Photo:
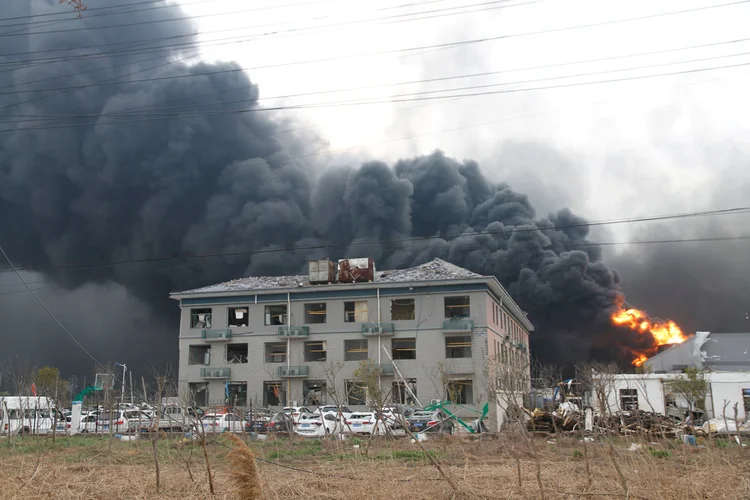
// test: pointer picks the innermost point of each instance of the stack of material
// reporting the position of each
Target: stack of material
(636, 422)
(544, 421)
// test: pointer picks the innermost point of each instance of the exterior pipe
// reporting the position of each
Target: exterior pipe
(377, 290)
(288, 345)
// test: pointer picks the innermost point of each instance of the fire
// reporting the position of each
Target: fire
(662, 332)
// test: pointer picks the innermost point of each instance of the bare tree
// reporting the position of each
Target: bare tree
(78, 6)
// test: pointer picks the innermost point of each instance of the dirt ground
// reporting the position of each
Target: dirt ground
(493, 467)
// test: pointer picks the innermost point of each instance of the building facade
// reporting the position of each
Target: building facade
(275, 341)
(728, 352)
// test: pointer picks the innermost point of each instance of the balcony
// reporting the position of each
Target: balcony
(294, 371)
(215, 372)
(521, 346)
(294, 331)
(458, 324)
(375, 329)
(386, 370)
(217, 335)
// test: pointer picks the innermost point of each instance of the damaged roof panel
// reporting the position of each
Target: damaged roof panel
(435, 270)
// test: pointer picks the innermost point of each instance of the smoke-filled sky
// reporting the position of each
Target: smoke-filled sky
(79, 191)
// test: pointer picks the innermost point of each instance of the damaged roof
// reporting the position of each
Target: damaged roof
(435, 270)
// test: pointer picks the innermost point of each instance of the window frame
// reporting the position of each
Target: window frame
(364, 348)
(628, 399)
(315, 343)
(354, 311)
(231, 316)
(194, 313)
(459, 348)
(466, 305)
(274, 355)
(311, 314)
(414, 309)
(403, 340)
(268, 315)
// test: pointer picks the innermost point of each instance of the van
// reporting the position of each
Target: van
(28, 415)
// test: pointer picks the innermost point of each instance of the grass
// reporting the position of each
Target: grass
(318, 470)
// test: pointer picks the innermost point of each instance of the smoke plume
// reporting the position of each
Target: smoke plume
(81, 191)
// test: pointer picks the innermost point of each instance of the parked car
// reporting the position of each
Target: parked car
(364, 423)
(313, 425)
(430, 421)
(256, 424)
(138, 420)
(222, 422)
(280, 422)
(295, 411)
(343, 409)
(394, 416)
(104, 422)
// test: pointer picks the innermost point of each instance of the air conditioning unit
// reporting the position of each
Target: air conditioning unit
(373, 329)
(292, 371)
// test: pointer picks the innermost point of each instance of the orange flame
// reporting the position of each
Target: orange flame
(663, 332)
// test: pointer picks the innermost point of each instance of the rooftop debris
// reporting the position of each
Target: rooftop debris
(436, 269)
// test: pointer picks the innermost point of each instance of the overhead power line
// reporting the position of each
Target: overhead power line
(410, 239)
(398, 99)
(255, 36)
(38, 117)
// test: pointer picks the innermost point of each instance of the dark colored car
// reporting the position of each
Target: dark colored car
(257, 425)
(430, 421)
(280, 422)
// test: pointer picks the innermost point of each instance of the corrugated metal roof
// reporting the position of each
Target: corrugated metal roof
(435, 270)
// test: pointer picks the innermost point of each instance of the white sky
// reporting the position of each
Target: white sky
(651, 146)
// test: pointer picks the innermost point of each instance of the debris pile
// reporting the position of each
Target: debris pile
(624, 422)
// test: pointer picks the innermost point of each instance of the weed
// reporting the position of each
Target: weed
(577, 454)
(658, 453)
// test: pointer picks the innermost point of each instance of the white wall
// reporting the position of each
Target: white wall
(724, 386)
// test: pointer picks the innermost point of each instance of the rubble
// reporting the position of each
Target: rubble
(624, 422)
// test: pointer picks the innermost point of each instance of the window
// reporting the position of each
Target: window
(275, 352)
(276, 315)
(198, 393)
(315, 351)
(746, 401)
(315, 313)
(629, 399)
(460, 392)
(458, 346)
(236, 353)
(457, 307)
(355, 350)
(356, 394)
(356, 312)
(199, 355)
(273, 393)
(404, 348)
(402, 309)
(238, 316)
(405, 393)
(238, 393)
(200, 318)
(314, 392)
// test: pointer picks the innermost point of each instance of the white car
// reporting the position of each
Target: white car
(313, 425)
(343, 411)
(364, 423)
(104, 422)
(295, 412)
(222, 422)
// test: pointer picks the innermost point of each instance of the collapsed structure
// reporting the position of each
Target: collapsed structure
(431, 329)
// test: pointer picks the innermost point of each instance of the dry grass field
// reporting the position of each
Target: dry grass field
(94, 468)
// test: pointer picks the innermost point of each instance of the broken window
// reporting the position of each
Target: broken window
(236, 353)
(355, 350)
(356, 312)
(746, 400)
(457, 307)
(629, 399)
(238, 393)
(402, 309)
(273, 393)
(404, 348)
(276, 315)
(238, 317)
(460, 392)
(199, 355)
(315, 313)
(458, 346)
(200, 318)
(315, 350)
(198, 393)
(405, 393)
(356, 394)
(314, 392)
(275, 352)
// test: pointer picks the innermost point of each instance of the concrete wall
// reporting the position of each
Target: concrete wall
(426, 328)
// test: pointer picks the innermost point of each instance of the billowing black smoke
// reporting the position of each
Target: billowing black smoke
(81, 191)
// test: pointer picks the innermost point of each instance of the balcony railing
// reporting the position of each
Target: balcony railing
(458, 325)
(215, 372)
(294, 371)
(294, 331)
(375, 329)
(217, 335)
(386, 370)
